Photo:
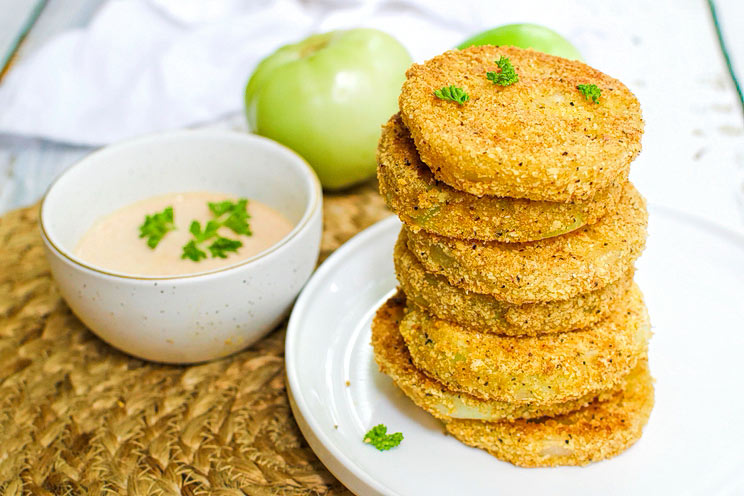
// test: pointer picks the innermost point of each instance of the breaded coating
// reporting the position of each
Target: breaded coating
(597, 432)
(391, 354)
(551, 269)
(487, 314)
(538, 138)
(422, 202)
(549, 368)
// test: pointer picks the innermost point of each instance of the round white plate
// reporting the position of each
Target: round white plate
(692, 274)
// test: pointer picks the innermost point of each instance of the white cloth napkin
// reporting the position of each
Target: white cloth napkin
(150, 65)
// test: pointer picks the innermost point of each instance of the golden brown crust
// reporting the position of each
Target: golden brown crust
(551, 269)
(597, 432)
(487, 314)
(422, 202)
(391, 354)
(549, 368)
(538, 138)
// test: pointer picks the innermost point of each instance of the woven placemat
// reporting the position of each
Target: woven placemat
(78, 417)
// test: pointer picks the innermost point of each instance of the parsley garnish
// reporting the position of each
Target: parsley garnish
(222, 245)
(237, 215)
(507, 75)
(233, 215)
(210, 229)
(453, 93)
(156, 226)
(590, 92)
(380, 439)
(223, 207)
(192, 251)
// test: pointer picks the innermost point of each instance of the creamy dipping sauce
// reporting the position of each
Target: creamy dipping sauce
(113, 242)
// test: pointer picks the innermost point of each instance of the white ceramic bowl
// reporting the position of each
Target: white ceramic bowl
(193, 318)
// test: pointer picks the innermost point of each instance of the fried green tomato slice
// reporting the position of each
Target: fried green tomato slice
(485, 313)
(551, 269)
(539, 138)
(391, 355)
(411, 191)
(599, 431)
(549, 368)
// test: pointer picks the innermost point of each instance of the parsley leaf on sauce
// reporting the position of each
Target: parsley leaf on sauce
(156, 226)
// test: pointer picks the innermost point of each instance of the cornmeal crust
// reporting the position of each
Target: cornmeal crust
(487, 314)
(393, 358)
(596, 432)
(539, 138)
(550, 368)
(551, 269)
(422, 202)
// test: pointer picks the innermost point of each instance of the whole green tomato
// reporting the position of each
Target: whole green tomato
(533, 36)
(326, 98)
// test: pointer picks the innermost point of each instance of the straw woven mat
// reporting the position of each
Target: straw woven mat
(79, 417)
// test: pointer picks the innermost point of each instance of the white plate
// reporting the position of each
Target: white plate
(692, 274)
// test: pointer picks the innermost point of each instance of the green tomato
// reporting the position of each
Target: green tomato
(533, 36)
(326, 98)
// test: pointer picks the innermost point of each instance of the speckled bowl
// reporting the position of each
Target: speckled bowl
(198, 317)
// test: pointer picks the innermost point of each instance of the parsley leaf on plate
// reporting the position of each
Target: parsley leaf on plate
(380, 439)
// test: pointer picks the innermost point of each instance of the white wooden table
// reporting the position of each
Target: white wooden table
(693, 158)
